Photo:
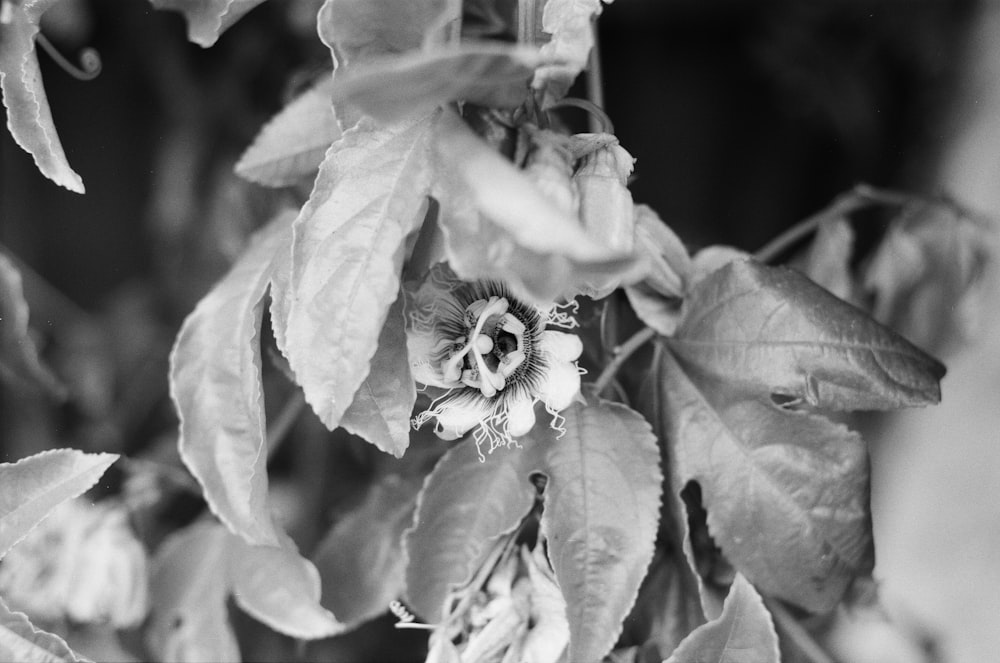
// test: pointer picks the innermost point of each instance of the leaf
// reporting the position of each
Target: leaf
(463, 506)
(667, 266)
(569, 24)
(391, 88)
(215, 384)
(21, 641)
(770, 330)
(381, 409)
(291, 146)
(347, 253)
(743, 633)
(601, 510)
(786, 492)
(29, 118)
(828, 260)
(359, 29)
(361, 558)
(35, 485)
(208, 19)
(18, 354)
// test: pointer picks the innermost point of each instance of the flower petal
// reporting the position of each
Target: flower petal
(560, 345)
(560, 385)
(459, 414)
(520, 416)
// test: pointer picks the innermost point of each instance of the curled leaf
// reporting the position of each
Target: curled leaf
(208, 19)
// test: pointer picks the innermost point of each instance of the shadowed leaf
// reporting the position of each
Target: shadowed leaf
(208, 19)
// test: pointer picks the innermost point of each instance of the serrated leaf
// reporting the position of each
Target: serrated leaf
(291, 146)
(743, 633)
(786, 492)
(347, 254)
(208, 19)
(357, 29)
(770, 330)
(463, 506)
(33, 486)
(391, 88)
(215, 385)
(29, 118)
(602, 504)
(21, 641)
(361, 559)
(381, 409)
(569, 24)
(18, 354)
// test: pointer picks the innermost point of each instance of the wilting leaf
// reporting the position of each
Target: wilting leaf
(28, 116)
(786, 492)
(602, 502)
(380, 412)
(568, 23)
(361, 559)
(464, 505)
(744, 632)
(359, 29)
(20, 641)
(770, 330)
(215, 384)
(292, 145)
(391, 88)
(347, 254)
(208, 19)
(33, 486)
(18, 355)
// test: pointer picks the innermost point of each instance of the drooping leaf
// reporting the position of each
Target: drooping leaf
(33, 486)
(381, 409)
(208, 19)
(291, 146)
(666, 268)
(359, 29)
(569, 24)
(463, 506)
(743, 633)
(361, 559)
(215, 384)
(602, 502)
(347, 254)
(770, 330)
(29, 118)
(786, 492)
(18, 354)
(21, 641)
(391, 88)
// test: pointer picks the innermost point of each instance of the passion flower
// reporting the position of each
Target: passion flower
(493, 354)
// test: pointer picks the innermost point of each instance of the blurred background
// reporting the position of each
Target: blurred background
(744, 117)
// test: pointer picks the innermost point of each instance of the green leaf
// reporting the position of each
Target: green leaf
(361, 559)
(391, 88)
(569, 24)
(359, 29)
(602, 504)
(465, 504)
(208, 19)
(381, 409)
(743, 633)
(347, 253)
(667, 266)
(291, 146)
(786, 492)
(828, 260)
(18, 355)
(28, 115)
(33, 486)
(215, 384)
(767, 330)
(21, 641)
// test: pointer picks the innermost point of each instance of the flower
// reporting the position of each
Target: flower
(494, 354)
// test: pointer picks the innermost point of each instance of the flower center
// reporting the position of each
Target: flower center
(492, 349)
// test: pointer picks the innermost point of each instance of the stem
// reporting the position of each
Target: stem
(595, 79)
(797, 633)
(623, 352)
(282, 424)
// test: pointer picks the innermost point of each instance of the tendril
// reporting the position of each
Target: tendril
(595, 111)
(90, 60)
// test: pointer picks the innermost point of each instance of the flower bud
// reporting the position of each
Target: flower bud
(606, 208)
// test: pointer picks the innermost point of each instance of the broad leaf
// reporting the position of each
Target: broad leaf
(20, 641)
(569, 24)
(667, 608)
(770, 330)
(743, 633)
(380, 412)
(18, 355)
(347, 254)
(786, 492)
(361, 559)
(28, 116)
(359, 29)
(290, 148)
(33, 486)
(391, 88)
(602, 504)
(208, 19)
(215, 384)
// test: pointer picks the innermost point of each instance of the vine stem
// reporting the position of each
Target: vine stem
(622, 353)
(595, 79)
(797, 633)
